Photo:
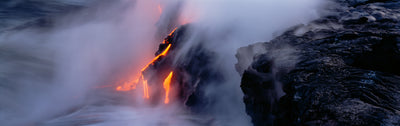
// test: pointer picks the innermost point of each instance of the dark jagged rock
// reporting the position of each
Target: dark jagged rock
(343, 69)
(192, 71)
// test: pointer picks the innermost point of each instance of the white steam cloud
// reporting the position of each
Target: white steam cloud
(48, 74)
(228, 25)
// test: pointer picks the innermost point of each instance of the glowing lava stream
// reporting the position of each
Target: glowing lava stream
(167, 86)
(173, 31)
(145, 88)
(130, 85)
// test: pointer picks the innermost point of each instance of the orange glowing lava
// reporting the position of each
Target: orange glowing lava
(132, 83)
(167, 86)
(173, 31)
(145, 88)
(170, 34)
(157, 57)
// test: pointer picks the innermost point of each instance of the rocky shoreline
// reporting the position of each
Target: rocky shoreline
(341, 69)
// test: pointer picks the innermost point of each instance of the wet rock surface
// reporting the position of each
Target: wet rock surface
(342, 70)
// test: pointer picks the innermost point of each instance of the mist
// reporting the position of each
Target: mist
(227, 26)
(50, 73)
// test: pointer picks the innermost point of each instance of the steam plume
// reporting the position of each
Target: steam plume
(50, 73)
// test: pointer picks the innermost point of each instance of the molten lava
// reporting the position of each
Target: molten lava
(167, 86)
(157, 57)
(127, 86)
(170, 34)
(145, 88)
(131, 84)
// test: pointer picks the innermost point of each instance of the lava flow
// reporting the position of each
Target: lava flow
(130, 85)
(167, 86)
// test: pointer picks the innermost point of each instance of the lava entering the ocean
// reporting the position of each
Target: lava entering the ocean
(132, 83)
(167, 86)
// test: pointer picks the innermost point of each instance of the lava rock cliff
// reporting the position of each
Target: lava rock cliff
(341, 69)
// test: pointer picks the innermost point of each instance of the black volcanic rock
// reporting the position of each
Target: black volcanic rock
(343, 69)
(193, 71)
